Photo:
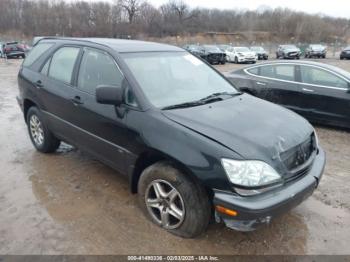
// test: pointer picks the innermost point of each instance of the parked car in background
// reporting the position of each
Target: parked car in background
(193, 49)
(288, 52)
(345, 53)
(317, 91)
(261, 52)
(228, 51)
(240, 54)
(191, 145)
(315, 50)
(212, 54)
(15, 49)
(1, 49)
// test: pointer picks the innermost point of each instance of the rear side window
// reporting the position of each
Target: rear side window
(62, 63)
(254, 71)
(36, 52)
(98, 68)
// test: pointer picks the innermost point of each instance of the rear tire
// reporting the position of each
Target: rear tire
(192, 206)
(42, 138)
(236, 60)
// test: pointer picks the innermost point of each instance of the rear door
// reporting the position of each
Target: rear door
(327, 94)
(56, 90)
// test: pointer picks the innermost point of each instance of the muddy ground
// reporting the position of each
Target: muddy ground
(69, 203)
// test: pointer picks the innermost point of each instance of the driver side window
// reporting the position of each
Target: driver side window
(98, 68)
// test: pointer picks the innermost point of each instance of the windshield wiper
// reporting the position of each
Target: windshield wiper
(184, 105)
(218, 96)
(208, 99)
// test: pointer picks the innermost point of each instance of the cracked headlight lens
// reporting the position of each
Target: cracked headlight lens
(250, 173)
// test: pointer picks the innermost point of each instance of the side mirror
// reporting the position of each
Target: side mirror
(109, 95)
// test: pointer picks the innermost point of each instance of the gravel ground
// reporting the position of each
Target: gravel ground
(69, 203)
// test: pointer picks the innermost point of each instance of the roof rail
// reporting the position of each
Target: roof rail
(40, 38)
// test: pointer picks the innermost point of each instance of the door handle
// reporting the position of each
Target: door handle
(39, 84)
(77, 101)
(308, 90)
(261, 83)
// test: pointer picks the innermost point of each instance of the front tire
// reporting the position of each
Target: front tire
(42, 138)
(173, 201)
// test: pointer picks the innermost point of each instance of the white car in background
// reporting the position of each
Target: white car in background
(238, 54)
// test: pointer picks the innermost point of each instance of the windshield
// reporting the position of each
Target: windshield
(242, 49)
(257, 48)
(289, 47)
(171, 78)
(317, 46)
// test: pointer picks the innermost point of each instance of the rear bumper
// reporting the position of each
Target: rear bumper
(254, 211)
(263, 56)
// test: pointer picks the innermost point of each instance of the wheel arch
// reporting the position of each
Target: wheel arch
(27, 103)
(150, 157)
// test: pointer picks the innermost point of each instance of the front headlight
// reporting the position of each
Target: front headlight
(250, 173)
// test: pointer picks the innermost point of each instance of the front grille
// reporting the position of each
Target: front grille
(298, 155)
(298, 174)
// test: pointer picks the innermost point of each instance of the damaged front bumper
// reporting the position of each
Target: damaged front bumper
(253, 211)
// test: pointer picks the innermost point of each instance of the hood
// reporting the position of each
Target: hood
(251, 127)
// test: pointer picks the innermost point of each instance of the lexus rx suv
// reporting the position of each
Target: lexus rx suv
(192, 146)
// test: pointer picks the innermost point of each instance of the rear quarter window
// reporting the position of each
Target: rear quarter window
(36, 52)
(253, 71)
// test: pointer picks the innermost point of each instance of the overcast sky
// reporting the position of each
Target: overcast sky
(337, 8)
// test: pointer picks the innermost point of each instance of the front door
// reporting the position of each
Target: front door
(103, 132)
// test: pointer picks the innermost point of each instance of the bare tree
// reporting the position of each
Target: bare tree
(132, 7)
(139, 19)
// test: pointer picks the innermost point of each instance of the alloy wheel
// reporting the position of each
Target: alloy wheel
(165, 204)
(36, 130)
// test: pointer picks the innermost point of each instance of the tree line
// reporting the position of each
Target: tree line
(140, 19)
